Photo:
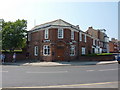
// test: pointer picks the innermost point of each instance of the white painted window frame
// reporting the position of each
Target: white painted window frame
(36, 50)
(80, 37)
(72, 47)
(46, 34)
(72, 35)
(83, 50)
(85, 39)
(60, 33)
(48, 51)
(93, 41)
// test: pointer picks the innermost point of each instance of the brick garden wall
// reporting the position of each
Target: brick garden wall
(97, 58)
(22, 56)
(19, 56)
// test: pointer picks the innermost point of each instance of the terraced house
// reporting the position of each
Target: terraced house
(60, 41)
(102, 36)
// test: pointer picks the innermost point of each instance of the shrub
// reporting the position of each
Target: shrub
(13, 51)
(90, 54)
(97, 54)
(105, 54)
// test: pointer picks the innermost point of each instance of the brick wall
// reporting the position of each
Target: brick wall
(54, 42)
(97, 58)
(19, 57)
(113, 47)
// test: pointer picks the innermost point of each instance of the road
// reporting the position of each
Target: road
(61, 76)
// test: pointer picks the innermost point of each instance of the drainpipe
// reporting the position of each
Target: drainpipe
(78, 45)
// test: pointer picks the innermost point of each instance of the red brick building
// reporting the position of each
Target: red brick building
(102, 36)
(60, 41)
(114, 46)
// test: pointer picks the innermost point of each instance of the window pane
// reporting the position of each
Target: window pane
(48, 51)
(85, 37)
(60, 33)
(72, 51)
(36, 50)
(72, 34)
(46, 34)
(80, 36)
(45, 51)
(83, 50)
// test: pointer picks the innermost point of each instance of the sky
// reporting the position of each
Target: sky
(99, 15)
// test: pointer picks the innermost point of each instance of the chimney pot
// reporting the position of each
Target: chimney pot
(91, 27)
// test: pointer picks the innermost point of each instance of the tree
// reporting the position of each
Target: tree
(14, 34)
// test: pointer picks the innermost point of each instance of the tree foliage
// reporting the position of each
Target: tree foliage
(14, 34)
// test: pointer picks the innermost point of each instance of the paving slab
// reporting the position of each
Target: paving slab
(76, 63)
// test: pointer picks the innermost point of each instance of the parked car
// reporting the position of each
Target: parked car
(118, 58)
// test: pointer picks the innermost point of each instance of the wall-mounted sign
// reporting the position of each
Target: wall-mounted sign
(74, 41)
(46, 40)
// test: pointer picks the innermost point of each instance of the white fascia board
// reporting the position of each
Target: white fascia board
(72, 29)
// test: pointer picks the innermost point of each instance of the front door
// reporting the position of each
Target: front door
(60, 53)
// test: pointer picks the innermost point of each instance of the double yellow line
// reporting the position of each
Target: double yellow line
(73, 85)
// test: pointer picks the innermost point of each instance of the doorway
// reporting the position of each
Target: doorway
(60, 53)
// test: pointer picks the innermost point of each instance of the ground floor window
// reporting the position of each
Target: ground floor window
(72, 50)
(46, 50)
(93, 50)
(83, 50)
(36, 50)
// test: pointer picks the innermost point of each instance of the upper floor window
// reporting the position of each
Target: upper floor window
(46, 50)
(85, 38)
(72, 50)
(36, 50)
(60, 33)
(97, 43)
(46, 34)
(80, 36)
(93, 41)
(72, 35)
(106, 39)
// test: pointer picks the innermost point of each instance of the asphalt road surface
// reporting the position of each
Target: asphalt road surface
(60, 76)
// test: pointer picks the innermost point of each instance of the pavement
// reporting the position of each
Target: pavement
(63, 63)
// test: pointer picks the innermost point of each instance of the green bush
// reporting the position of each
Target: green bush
(105, 54)
(97, 54)
(13, 51)
(90, 54)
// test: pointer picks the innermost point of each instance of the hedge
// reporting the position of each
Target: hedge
(98, 54)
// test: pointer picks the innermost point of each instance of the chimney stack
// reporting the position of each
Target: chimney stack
(90, 27)
(77, 26)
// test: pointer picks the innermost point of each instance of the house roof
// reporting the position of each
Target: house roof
(58, 22)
